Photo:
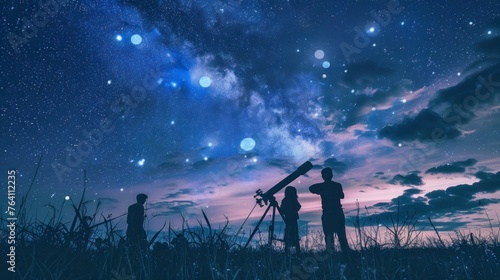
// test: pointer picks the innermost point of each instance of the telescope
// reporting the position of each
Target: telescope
(266, 198)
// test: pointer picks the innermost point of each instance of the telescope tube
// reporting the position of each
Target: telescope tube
(301, 170)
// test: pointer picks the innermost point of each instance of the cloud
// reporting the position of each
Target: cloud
(466, 163)
(454, 167)
(465, 99)
(108, 200)
(337, 166)
(464, 193)
(412, 179)
(458, 104)
(177, 206)
(405, 206)
(423, 127)
(452, 202)
(177, 194)
(380, 175)
(446, 169)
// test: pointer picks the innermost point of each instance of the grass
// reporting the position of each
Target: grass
(90, 247)
(86, 249)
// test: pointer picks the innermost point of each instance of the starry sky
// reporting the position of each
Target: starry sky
(200, 103)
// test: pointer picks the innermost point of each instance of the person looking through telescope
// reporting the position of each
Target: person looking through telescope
(333, 218)
(290, 207)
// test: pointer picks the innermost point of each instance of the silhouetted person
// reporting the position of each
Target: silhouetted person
(333, 218)
(136, 234)
(290, 207)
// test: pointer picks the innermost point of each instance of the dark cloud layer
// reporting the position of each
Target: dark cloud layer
(411, 179)
(459, 104)
(337, 166)
(455, 200)
(425, 126)
(454, 167)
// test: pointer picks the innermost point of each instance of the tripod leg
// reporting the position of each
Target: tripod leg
(271, 228)
(257, 226)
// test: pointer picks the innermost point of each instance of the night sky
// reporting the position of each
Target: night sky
(200, 103)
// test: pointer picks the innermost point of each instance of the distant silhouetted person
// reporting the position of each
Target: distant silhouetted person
(136, 234)
(333, 218)
(290, 207)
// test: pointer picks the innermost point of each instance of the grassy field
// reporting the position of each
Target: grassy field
(90, 247)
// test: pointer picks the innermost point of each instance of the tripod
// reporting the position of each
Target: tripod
(268, 196)
(274, 204)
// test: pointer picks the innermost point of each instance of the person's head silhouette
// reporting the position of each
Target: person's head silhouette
(327, 174)
(141, 198)
(290, 192)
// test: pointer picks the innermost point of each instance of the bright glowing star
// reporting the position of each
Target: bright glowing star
(187, 160)
(205, 81)
(141, 162)
(174, 84)
(373, 108)
(371, 29)
(172, 122)
(254, 159)
(399, 145)
(458, 74)
(489, 32)
(119, 37)
(298, 50)
(121, 189)
(210, 144)
(374, 45)
(319, 54)
(326, 64)
(402, 23)
(471, 23)
(66, 197)
(352, 91)
(136, 39)
(345, 71)
(247, 144)
(109, 82)
(205, 158)
(403, 100)
(323, 76)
